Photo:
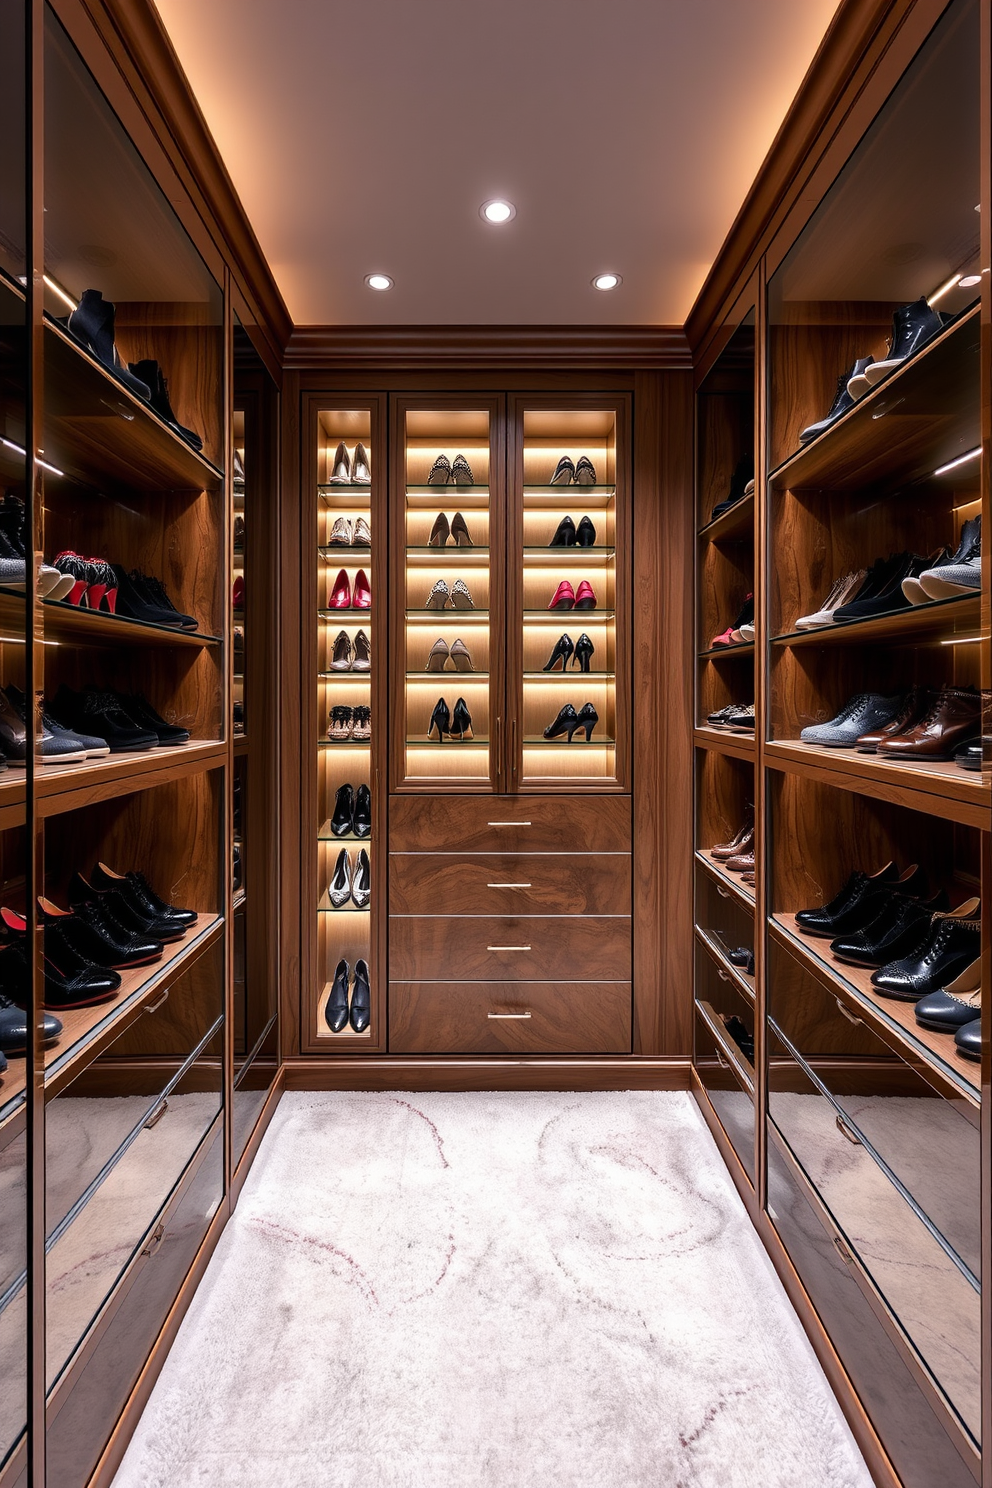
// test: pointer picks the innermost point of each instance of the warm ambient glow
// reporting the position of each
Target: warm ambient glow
(378, 281)
(970, 280)
(606, 281)
(498, 211)
(944, 289)
(58, 290)
(961, 460)
(9, 444)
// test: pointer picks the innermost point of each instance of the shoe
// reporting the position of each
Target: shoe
(912, 327)
(361, 884)
(742, 838)
(439, 652)
(13, 730)
(951, 1007)
(344, 812)
(587, 718)
(968, 1040)
(340, 595)
(853, 907)
(742, 629)
(72, 980)
(459, 532)
(844, 589)
(461, 721)
(858, 384)
(144, 895)
(742, 862)
(140, 711)
(969, 549)
(238, 716)
(342, 533)
(585, 596)
(564, 472)
(124, 946)
(954, 718)
(142, 597)
(584, 651)
(440, 532)
(461, 599)
(843, 402)
(72, 943)
(461, 657)
(566, 722)
(947, 949)
(585, 533)
(92, 324)
(343, 652)
(341, 468)
(564, 535)
(719, 718)
(56, 745)
(741, 719)
(336, 1007)
(239, 533)
(120, 904)
(741, 484)
(563, 597)
(895, 930)
(738, 1031)
(361, 596)
(363, 534)
(440, 721)
(861, 714)
(239, 475)
(439, 597)
(440, 473)
(563, 649)
(362, 819)
(339, 723)
(585, 473)
(969, 756)
(13, 1018)
(363, 653)
(361, 998)
(361, 469)
(238, 638)
(889, 597)
(362, 729)
(746, 617)
(461, 472)
(100, 714)
(150, 372)
(339, 888)
(916, 704)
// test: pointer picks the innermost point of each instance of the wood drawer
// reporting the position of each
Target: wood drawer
(583, 948)
(464, 824)
(508, 883)
(470, 1018)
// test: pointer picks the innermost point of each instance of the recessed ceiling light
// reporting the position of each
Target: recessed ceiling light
(970, 280)
(378, 281)
(497, 211)
(607, 281)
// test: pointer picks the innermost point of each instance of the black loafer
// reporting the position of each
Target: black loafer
(968, 1039)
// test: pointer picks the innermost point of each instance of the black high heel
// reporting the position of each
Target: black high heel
(564, 534)
(440, 720)
(563, 650)
(361, 998)
(583, 652)
(461, 721)
(566, 723)
(336, 1007)
(587, 719)
(585, 533)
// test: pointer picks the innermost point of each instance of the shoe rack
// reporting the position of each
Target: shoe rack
(857, 1129)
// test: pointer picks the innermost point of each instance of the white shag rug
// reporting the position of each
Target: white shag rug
(491, 1291)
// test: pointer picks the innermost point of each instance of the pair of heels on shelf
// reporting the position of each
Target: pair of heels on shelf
(349, 723)
(737, 855)
(569, 722)
(565, 652)
(567, 535)
(345, 534)
(346, 596)
(338, 1012)
(567, 598)
(351, 883)
(456, 724)
(352, 812)
(458, 655)
(351, 655)
(346, 471)
(456, 472)
(458, 597)
(569, 472)
(457, 531)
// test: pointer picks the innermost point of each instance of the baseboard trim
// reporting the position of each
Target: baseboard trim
(629, 1072)
(258, 1132)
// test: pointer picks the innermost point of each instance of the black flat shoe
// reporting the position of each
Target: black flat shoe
(148, 900)
(344, 812)
(124, 909)
(100, 714)
(968, 1040)
(951, 1007)
(584, 649)
(587, 718)
(362, 823)
(14, 1019)
(336, 1009)
(562, 651)
(138, 708)
(948, 950)
(564, 534)
(830, 919)
(461, 721)
(899, 926)
(440, 721)
(361, 998)
(585, 533)
(566, 723)
(151, 373)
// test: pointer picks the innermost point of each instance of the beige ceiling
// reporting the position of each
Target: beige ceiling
(364, 137)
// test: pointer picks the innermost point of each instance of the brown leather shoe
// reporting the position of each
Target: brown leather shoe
(916, 706)
(954, 717)
(743, 862)
(741, 840)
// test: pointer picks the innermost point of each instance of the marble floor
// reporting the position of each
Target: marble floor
(513, 1290)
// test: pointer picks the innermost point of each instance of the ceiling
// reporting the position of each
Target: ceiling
(364, 138)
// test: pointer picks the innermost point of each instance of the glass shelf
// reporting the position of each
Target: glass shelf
(556, 616)
(326, 907)
(336, 614)
(450, 613)
(570, 491)
(597, 550)
(344, 490)
(331, 550)
(449, 549)
(326, 835)
(448, 491)
(447, 676)
(543, 676)
(348, 676)
(422, 743)
(344, 743)
(537, 741)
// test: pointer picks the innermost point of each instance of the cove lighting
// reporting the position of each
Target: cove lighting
(961, 460)
(944, 289)
(378, 281)
(9, 444)
(607, 281)
(58, 290)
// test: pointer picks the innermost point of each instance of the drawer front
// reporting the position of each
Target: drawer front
(508, 883)
(465, 824)
(509, 1018)
(519, 948)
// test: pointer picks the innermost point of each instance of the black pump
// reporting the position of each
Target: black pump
(584, 649)
(361, 998)
(562, 652)
(461, 721)
(440, 720)
(564, 534)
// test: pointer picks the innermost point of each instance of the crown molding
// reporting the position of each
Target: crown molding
(621, 348)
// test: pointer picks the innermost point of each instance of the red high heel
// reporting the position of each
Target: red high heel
(585, 598)
(102, 593)
(363, 591)
(564, 597)
(340, 597)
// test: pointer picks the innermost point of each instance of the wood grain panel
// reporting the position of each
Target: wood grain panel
(466, 824)
(509, 948)
(509, 1018)
(505, 883)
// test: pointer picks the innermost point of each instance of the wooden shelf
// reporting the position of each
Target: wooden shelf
(718, 950)
(60, 788)
(102, 434)
(351, 551)
(724, 653)
(326, 835)
(732, 881)
(740, 746)
(941, 788)
(325, 906)
(575, 678)
(556, 617)
(892, 1020)
(86, 1032)
(942, 617)
(345, 614)
(72, 626)
(347, 1034)
(921, 416)
(734, 525)
(732, 1052)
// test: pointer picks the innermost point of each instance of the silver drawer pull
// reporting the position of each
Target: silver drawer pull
(507, 948)
(508, 886)
(509, 824)
(508, 1015)
(848, 1015)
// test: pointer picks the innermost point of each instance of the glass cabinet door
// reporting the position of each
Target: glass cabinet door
(447, 579)
(570, 607)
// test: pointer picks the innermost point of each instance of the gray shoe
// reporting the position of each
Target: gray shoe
(959, 572)
(865, 711)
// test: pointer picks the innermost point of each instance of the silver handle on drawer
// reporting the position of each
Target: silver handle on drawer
(846, 1131)
(724, 893)
(509, 824)
(508, 886)
(507, 948)
(508, 1015)
(848, 1015)
(153, 1007)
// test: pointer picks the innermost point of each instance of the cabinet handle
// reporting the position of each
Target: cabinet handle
(157, 1115)
(508, 1015)
(846, 1131)
(848, 1015)
(507, 948)
(724, 893)
(154, 1240)
(154, 1006)
(509, 824)
(509, 886)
